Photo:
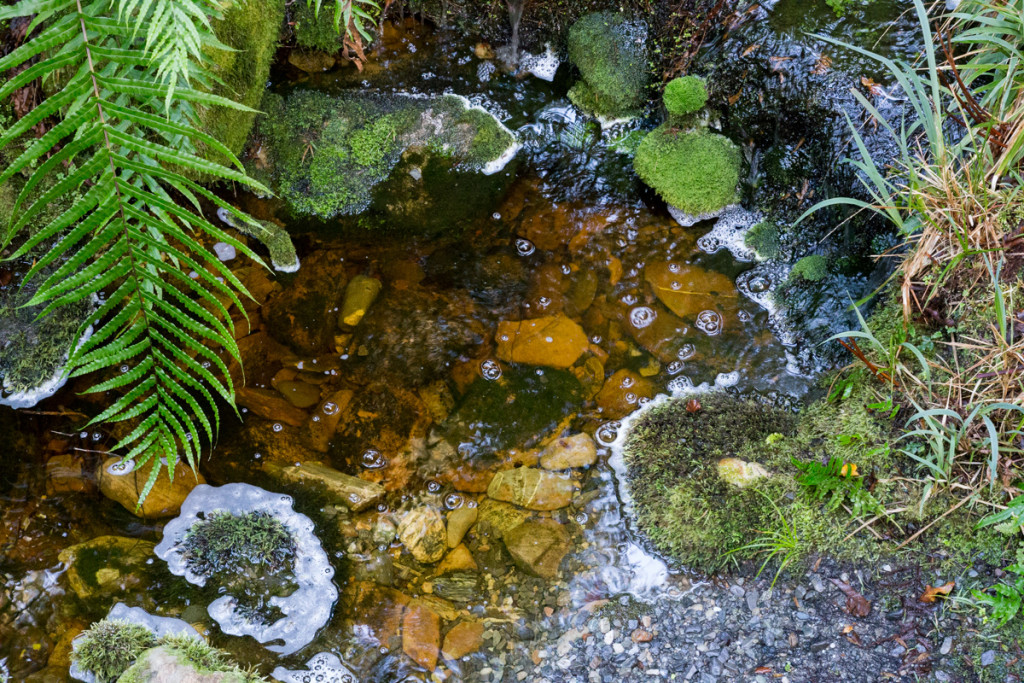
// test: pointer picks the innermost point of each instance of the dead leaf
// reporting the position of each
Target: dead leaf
(856, 604)
(873, 88)
(733, 99)
(750, 49)
(932, 593)
(763, 670)
(822, 65)
(692, 406)
(847, 628)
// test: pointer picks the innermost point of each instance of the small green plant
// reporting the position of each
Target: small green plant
(836, 482)
(1010, 519)
(685, 95)
(812, 268)
(1002, 600)
(234, 543)
(782, 543)
(109, 647)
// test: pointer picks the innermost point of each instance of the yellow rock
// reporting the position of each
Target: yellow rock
(360, 294)
(465, 638)
(459, 559)
(622, 393)
(164, 500)
(553, 341)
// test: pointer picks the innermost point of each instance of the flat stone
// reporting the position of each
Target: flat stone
(323, 423)
(947, 645)
(355, 493)
(299, 394)
(458, 559)
(463, 639)
(270, 405)
(988, 657)
(163, 500)
(532, 488)
(538, 547)
(553, 341)
(497, 517)
(423, 533)
(460, 521)
(107, 566)
(578, 450)
(421, 634)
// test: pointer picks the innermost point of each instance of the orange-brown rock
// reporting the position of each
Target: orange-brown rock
(421, 634)
(163, 500)
(687, 290)
(538, 547)
(66, 474)
(532, 488)
(459, 522)
(463, 639)
(270, 405)
(622, 393)
(553, 341)
(459, 559)
(377, 608)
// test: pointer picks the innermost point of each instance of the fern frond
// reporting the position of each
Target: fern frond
(133, 243)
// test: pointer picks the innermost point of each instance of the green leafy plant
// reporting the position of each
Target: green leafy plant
(835, 483)
(1011, 517)
(109, 647)
(782, 543)
(1003, 600)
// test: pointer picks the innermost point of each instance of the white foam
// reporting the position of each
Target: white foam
(492, 167)
(543, 66)
(687, 219)
(729, 232)
(160, 626)
(305, 611)
(322, 668)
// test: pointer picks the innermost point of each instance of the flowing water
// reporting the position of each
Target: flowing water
(428, 408)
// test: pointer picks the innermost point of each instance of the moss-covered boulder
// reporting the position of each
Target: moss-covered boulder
(685, 95)
(315, 30)
(325, 155)
(611, 54)
(695, 172)
(185, 659)
(251, 30)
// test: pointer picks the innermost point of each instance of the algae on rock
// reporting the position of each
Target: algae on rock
(610, 52)
(326, 154)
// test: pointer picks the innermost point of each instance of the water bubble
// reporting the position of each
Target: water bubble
(496, 216)
(644, 400)
(490, 369)
(97, 436)
(630, 397)
(566, 269)
(382, 507)
(686, 352)
(680, 384)
(277, 427)
(433, 486)
(629, 299)
(674, 267)
(124, 369)
(372, 459)
(525, 247)
(709, 322)
(744, 316)
(453, 501)
(330, 408)
(316, 418)
(608, 432)
(759, 285)
(581, 518)
(121, 467)
(627, 382)
(544, 302)
(675, 367)
(257, 456)
(642, 316)
(206, 364)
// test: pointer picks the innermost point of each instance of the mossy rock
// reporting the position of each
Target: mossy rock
(251, 29)
(813, 268)
(685, 95)
(187, 660)
(109, 647)
(765, 239)
(316, 31)
(610, 52)
(326, 154)
(695, 172)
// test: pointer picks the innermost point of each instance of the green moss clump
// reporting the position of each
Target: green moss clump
(326, 154)
(194, 653)
(685, 95)
(695, 172)
(813, 268)
(611, 55)
(225, 543)
(765, 239)
(109, 647)
(251, 29)
(316, 31)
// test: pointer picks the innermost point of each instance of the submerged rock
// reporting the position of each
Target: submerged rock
(121, 482)
(688, 290)
(578, 450)
(292, 619)
(421, 634)
(108, 566)
(532, 488)
(465, 638)
(459, 522)
(360, 293)
(538, 547)
(325, 154)
(611, 53)
(554, 341)
(355, 493)
(423, 533)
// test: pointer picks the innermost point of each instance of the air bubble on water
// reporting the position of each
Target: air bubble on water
(630, 397)
(330, 408)
(355, 498)
(97, 436)
(681, 384)
(382, 507)
(566, 269)
(433, 486)
(525, 247)
(496, 216)
(257, 456)
(490, 369)
(709, 322)
(544, 302)
(206, 364)
(674, 267)
(627, 382)
(581, 518)
(121, 467)
(453, 501)
(642, 316)
(675, 367)
(325, 666)
(316, 418)
(124, 369)
(644, 400)
(629, 299)
(686, 351)
(277, 427)
(608, 432)
(743, 316)
(372, 459)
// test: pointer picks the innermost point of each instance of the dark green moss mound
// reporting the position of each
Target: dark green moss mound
(685, 95)
(314, 30)
(252, 29)
(109, 647)
(672, 456)
(225, 543)
(326, 154)
(813, 268)
(695, 172)
(610, 53)
(765, 239)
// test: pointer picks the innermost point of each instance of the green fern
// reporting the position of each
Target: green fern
(831, 484)
(127, 135)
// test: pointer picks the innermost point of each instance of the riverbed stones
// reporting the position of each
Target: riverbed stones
(538, 547)
(163, 500)
(355, 493)
(551, 341)
(623, 392)
(496, 517)
(421, 634)
(532, 488)
(423, 533)
(463, 639)
(360, 294)
(107, 567)
(459, 522)
(740, 473)
(578, 450)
